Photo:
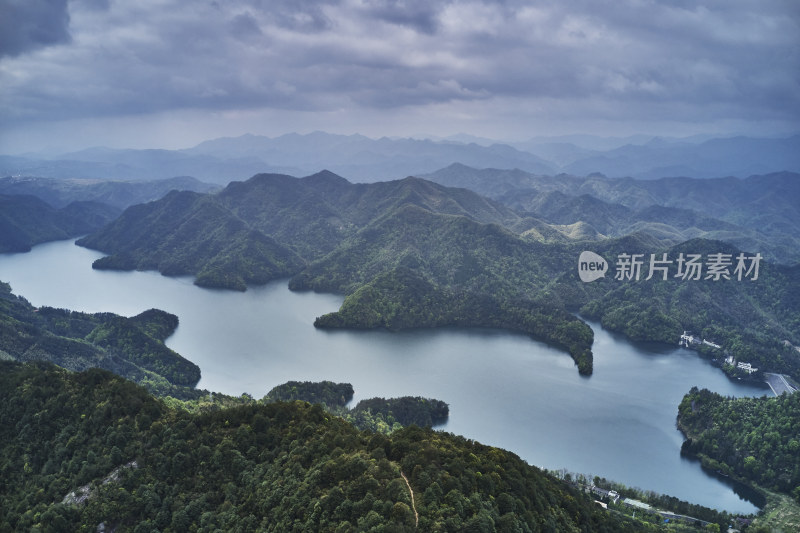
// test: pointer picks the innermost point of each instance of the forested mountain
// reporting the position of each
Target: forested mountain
(400, 299)
(752, 320)
(85, 451)
(131, 347)
(120, 194)
(311, 215)
(753, 439)
(27, 220)
(756, 213)
(314, 214)
(734, 200)
(343, 236)
(189, 233)
(410, 253)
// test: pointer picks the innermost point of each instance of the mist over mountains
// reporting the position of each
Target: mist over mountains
(367, 160)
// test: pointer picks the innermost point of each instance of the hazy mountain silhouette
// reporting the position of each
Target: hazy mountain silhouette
(367, 160)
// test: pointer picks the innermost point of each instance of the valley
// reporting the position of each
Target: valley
(415, 268)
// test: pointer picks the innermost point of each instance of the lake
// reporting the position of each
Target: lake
(503, 389)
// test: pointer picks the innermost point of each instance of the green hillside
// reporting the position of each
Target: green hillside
(26, 221)
(80, 450)
(749, 319)
(131, 347)
(189, 233)
(401, 299)
(758, 213)
(753, 439)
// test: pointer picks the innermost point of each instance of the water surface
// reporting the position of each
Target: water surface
(504, 389)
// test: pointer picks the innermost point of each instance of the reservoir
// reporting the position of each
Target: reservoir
(504, 389)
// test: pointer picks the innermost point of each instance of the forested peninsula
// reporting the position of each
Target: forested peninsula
(131, 347)
(756, 440)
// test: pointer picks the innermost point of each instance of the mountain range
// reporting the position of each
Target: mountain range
(405, 253)
(366, 160)
(333, 235)
(413, 253)
(37, 210)
(755, 213)
(114, 193)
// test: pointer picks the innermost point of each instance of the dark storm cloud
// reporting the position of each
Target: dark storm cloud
(421, 15)
(663, 60)
(31, 24)
(244, 25)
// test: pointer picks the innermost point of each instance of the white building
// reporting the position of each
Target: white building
(747, 367)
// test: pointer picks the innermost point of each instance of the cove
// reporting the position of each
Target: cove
(504, 389)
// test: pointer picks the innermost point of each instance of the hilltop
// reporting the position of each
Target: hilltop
(332, 235)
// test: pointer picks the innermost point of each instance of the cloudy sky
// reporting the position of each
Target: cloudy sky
(171, 73)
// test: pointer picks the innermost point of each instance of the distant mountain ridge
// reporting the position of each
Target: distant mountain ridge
(737, 156)
(364, 159)
(119, 194)
(757, 213)
(367, 160)
(26, 221)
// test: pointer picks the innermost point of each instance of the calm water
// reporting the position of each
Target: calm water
(503, 389)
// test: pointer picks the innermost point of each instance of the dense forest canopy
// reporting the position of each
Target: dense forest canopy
(131, 347)
(375, 414)
(326, 393)
(80, 450)
(754, 439)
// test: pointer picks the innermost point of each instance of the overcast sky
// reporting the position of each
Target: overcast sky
(171, 73)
